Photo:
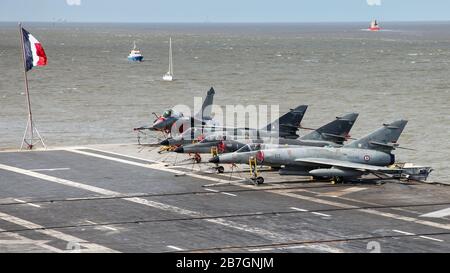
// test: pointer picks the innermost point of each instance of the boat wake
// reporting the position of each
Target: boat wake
(381, 30)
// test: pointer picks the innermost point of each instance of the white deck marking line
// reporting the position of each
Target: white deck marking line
(312, 199)
(110, 228)
(297, 209)
(19, 242)
(103, 226)
(437, 214)
(365, 202)
(407, 219)
(61, 181)
(317, 247)
(343, 192)
(157, 166)
(55, 234)
(403, 232)
(321, 214)
(40, 243)
(227, 193)
(369, 211)
(220, 221)
(157, 163)
(29, 204)
(261, 249)
(27, 241)
(50, 170)
(114, 153)
(431, 238)
(294, 247)
(211, 190)
(175, 248)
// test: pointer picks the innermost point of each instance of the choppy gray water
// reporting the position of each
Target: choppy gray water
(89, 93)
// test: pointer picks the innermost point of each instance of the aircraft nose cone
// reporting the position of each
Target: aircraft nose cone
(215, 159)
(165, 142)
(179, 150)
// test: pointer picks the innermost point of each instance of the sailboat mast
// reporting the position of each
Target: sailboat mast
(170, 57)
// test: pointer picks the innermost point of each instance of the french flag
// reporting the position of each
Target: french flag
(33, 51)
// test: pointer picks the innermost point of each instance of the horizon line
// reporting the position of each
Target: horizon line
(225, 22)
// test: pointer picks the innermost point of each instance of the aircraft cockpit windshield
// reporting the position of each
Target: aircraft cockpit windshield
(167, 113)
(244, 149)
(249, 148)
(214, 137)
(256, 147)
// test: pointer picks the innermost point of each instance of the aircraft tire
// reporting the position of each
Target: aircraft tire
(197, 159)
(259, 180)
(338, 179)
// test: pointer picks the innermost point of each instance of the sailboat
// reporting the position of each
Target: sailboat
(169, 75)
(135, 54)
(374, 26)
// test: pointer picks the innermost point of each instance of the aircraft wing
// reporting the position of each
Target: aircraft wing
(343, 164)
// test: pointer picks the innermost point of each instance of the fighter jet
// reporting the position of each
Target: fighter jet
(231, 138)
(172, 121)
(331, 134)
(370, 154)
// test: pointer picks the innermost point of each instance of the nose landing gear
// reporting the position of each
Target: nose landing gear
(254, 176)
(215, 152)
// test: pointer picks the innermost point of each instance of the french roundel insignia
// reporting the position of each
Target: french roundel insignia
(366, 158)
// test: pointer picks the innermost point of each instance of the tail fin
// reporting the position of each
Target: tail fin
(288, 124)
(207, 106)
(336, 131)
(383, 139)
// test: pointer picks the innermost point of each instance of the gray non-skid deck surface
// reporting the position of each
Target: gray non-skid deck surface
(157, 211)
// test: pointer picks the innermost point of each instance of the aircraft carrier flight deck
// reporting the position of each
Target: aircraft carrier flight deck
(122, 198)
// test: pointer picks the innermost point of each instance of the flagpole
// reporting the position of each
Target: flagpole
(29, 130)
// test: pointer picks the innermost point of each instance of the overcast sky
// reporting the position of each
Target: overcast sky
(223, 10)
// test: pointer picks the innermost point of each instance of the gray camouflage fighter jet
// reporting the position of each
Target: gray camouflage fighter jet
(370, 154)
(332, 134)
(174, 122)
(284, 127)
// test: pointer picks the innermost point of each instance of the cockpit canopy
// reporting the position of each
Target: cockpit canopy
(214, 137)
(167, 113)
(250, 148)
(171, 113)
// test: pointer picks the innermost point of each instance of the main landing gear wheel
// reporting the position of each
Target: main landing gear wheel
(197, 158)
(220, 169)
(258, 180)
(338, 180)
